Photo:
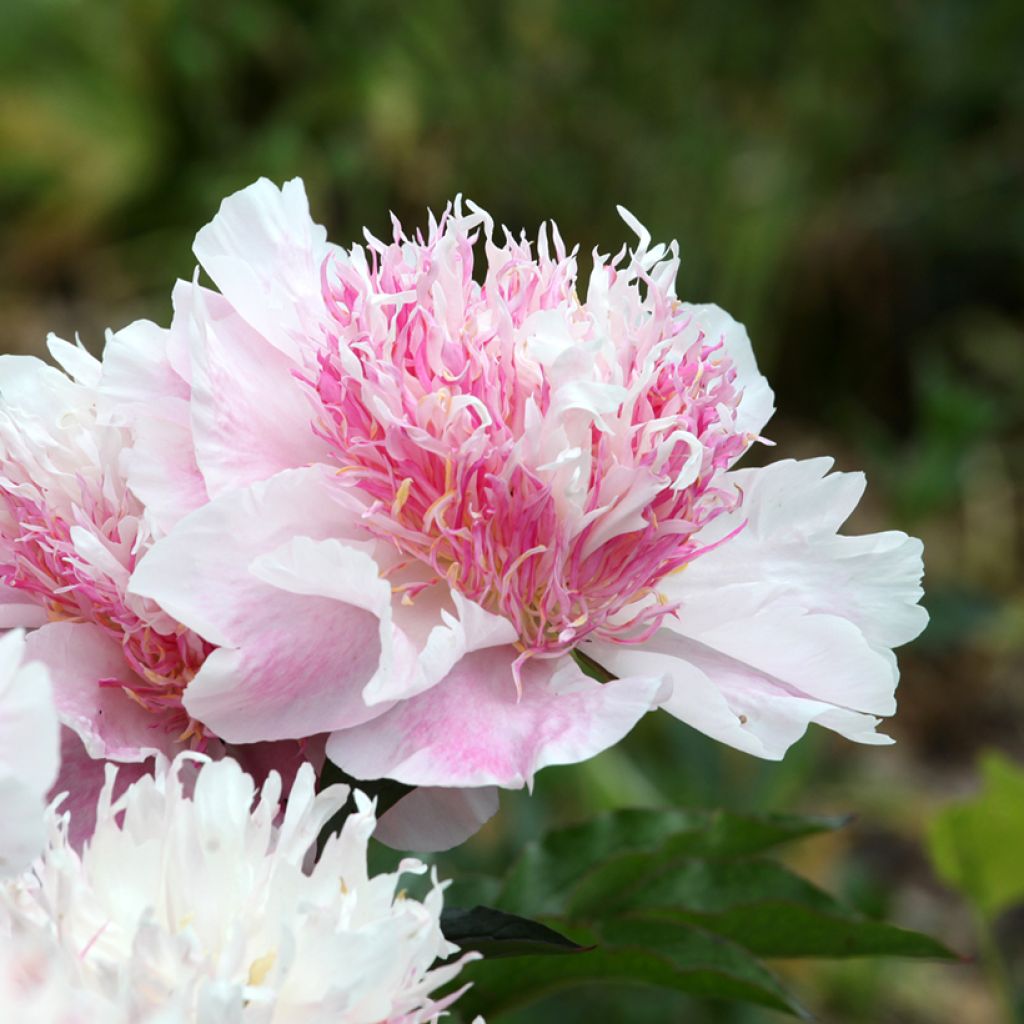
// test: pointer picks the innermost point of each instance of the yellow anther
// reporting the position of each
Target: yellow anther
(260, 968)
(401, 496)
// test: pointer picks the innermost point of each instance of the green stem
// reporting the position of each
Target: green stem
(591, 667)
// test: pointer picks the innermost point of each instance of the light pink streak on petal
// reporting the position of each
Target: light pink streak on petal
(110, 724)
(250, 415)
(471, 730)
(201, 572)
(430, 820)
(291, 662)
(264, 253)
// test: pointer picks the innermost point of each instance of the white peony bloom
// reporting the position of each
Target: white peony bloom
(29, 753)
(196, 900)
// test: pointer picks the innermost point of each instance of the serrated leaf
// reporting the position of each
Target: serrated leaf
(544, 875)
(975, 845)
(495, 933)
(658, 953)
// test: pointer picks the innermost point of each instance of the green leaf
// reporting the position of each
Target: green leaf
(543, 877)
(758, 903)
(497, 934)
(643, 952)
(976, 845)
(778, 929)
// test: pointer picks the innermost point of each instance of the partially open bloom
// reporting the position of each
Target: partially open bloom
(29, 754)
(195, 900)
(71, 532)
(416, 485)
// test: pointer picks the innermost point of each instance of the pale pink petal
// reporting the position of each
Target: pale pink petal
(787, 622)
(250, 416)
(430, 819)
(789, 551)
(142, 388)
(28, 753)
(472, 729)
(79, 656)
(28, 720)
(24, 825)
(264, 253)
(442, 627)
(75, 360)
(17, 610)
(733, 701)
(301, 628)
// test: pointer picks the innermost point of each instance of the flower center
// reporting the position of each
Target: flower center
(551, 460)
(39, 557)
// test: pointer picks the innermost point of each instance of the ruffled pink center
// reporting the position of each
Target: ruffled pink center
(38, 557)
(442, 415)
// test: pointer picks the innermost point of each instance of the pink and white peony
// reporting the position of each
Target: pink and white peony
(29, 754)
(195, 901)
(407, 498)
(71, 532)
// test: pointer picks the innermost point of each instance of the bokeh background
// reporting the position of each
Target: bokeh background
(844, 178)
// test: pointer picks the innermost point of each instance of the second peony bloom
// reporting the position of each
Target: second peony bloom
(411, 493)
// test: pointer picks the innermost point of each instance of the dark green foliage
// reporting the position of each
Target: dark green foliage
(680, 900)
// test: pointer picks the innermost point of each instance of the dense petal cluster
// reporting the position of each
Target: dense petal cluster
(71, 533)
(194, 901)
(407, 494)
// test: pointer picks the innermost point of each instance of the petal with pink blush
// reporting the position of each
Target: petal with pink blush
(301, 626)
(430, 819)
(250, 416)
(443, 627)
(788, 622)
(17, 610)
(78, 656)
(733, 701)
(142, 388)
(264, 253)
(472, 730)
(200, 573)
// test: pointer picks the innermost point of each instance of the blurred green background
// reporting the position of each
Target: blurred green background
(844, 178)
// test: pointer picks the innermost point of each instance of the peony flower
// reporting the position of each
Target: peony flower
(71, 532)
(421, 491)
(40, 983)
(194, 901)
(29, 754)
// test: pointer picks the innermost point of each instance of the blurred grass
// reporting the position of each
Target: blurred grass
(846, 179)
